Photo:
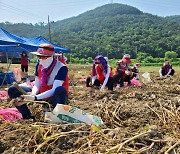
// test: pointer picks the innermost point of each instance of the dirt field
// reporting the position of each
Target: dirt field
(142, 119)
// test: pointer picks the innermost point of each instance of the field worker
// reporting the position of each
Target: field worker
(101, 74)
(123, 72)
(50, 82)
(135, 70)
(24, 64)
(62, 58)
(166, 69)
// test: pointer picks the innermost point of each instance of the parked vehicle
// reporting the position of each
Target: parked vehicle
(14, 57)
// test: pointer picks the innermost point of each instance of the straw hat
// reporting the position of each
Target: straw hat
(44, 50)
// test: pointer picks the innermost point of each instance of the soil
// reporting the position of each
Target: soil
(142, 119)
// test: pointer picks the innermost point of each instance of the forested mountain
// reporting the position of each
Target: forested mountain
(112, 29)
(175, 18)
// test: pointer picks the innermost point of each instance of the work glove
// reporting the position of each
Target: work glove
(102, 88)
(90, 84)
(28, 97)
(128, 72)
(17, 101)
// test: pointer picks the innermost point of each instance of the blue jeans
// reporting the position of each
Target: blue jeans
(59, 97)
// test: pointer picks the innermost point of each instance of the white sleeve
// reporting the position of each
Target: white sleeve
(50, 92)
(106, 77)
(35, 89)
(169, 71)
(93, 79)
(160, 72)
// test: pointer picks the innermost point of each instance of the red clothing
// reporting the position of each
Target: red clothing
(111, 72)
(100, 73)
(24, 61)
(166, 68)
(123, 67)
(48, 87)
(61, 59)
(66, 84)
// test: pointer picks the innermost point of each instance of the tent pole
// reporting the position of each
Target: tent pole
(7, 57)
(8, 66)
(70, 61)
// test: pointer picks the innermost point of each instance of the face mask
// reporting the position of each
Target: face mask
(46, 62)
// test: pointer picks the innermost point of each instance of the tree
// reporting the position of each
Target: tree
(149, 59)
(141, 56)
(170, 55)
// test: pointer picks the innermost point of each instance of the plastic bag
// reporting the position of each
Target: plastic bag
(135, 82)
(17, 74)
(70, 114)
(146, 77)
(10, 114)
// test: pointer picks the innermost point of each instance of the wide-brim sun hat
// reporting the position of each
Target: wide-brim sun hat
(44, 50)
(126, 59)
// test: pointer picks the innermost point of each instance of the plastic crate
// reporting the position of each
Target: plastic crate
(6, 78)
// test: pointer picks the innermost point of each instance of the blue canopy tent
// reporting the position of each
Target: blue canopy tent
(10, 43)
(8, 40)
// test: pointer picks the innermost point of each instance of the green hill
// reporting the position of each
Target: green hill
(112, 29)
(175, 18)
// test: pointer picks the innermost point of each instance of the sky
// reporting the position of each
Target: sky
(35, 11)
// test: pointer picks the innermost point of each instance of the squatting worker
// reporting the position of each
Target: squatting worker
(123, 72)
(101, 74)
(51, 81)
(166, 69)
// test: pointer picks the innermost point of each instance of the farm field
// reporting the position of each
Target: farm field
(142, 119)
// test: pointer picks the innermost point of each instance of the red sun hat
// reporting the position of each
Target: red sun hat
(126, 59)
(45, 50)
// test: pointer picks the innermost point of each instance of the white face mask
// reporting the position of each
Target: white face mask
(46, 62)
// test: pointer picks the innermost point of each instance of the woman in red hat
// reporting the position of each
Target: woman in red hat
(123, 73)
(51, 82)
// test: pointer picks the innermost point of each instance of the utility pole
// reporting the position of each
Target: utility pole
(49, 29)
(136, 49)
